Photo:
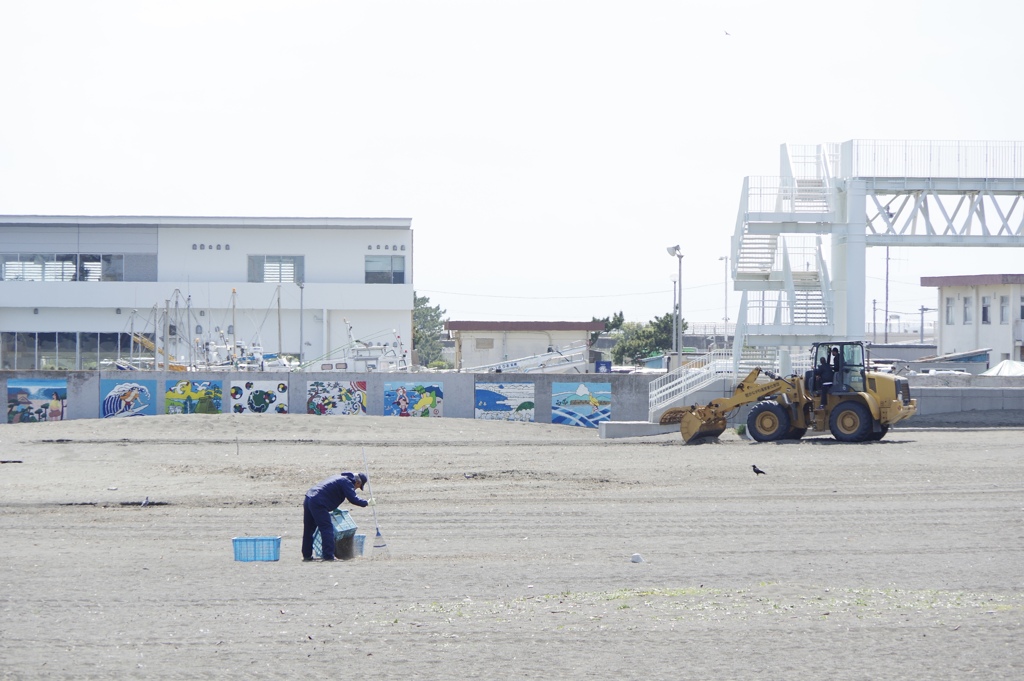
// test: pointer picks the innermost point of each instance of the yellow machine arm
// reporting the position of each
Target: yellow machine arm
(707, 421)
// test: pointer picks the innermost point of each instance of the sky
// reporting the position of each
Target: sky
(546, 151)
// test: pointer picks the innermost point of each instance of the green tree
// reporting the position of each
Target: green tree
(635, 343)
(610, 324)
(663, 332)
(427, 327)
(644, 340)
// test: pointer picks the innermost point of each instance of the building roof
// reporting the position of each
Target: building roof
(524, 326)
(199, 221)
(973, 280)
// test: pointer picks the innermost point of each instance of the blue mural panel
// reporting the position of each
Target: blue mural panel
(505, 401)
(581, 404)
(414, 399)
(127, 398)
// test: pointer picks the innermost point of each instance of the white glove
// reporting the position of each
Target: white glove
(371, 502)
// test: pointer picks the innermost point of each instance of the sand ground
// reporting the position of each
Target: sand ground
(510, 553)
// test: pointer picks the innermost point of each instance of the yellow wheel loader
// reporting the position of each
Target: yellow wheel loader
(839, 396)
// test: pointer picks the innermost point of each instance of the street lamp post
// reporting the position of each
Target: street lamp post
(725, 319)
(678, 340)
(675, 316)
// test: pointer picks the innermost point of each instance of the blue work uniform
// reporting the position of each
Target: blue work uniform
(321, 499)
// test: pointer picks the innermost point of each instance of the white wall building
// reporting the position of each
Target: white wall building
(74, 289)
(490, 344)
(981, 311)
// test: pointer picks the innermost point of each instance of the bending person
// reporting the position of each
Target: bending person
(321, 499)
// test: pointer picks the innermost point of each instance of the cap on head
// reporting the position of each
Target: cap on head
(361, 480)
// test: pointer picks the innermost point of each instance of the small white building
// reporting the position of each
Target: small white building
(502, 345)
(981, 311)
(80, 292)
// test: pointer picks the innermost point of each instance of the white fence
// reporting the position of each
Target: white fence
(947, 159)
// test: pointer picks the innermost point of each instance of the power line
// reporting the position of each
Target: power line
(547, 297)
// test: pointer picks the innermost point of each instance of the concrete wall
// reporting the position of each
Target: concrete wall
(935, 395)
(629, 391)
(940, 400)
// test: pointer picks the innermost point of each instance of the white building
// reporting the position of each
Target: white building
(981, 311)
(74, 290)
(521, 346)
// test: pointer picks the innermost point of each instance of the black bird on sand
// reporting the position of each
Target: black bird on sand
(758, 471)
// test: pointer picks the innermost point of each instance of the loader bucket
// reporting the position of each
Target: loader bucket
(695, 429)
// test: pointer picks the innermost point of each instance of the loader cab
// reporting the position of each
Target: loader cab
(851, 364)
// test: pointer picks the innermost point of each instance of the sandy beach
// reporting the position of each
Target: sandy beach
(510, 553)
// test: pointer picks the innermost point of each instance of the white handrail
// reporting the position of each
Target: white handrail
(571, 356)
(689, 378)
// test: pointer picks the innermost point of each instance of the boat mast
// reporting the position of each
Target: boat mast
(279, 347)
(234, 342)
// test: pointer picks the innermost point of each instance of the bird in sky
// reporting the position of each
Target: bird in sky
(758, 471)
(727, 33)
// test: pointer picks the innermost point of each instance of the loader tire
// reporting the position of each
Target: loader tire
(795, 434)
(875, 437)
(768, 421)
(850, 422)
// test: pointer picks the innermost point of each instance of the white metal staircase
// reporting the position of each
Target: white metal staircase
(786, 297)
(844, 198)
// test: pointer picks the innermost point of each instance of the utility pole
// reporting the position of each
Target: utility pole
(167, 335)
(886, 294)
(874, 320)
(923, 310)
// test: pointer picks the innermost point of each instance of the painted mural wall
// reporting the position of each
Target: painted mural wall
(329, 398)
(193, 397)
(120, 399)
(31, 400)
(505, 401)
(123, 394)
(259, 397)
(414, 399)
(581, 404)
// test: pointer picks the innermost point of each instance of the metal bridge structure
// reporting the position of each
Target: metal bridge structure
(799, 248)
(846, 198)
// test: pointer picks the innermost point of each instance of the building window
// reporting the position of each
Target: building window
(62, 267)
(100, 267)
(986, 303)
(385, 269)
(483, 343)
(949, 312)
(968, 310)
(276, 269)
(1004, 309)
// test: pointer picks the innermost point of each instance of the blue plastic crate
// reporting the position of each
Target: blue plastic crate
(344, 527)
(250, 549)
